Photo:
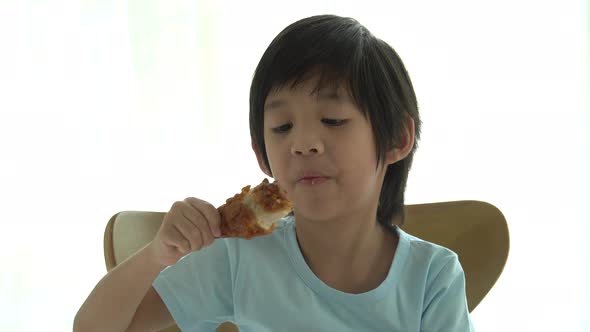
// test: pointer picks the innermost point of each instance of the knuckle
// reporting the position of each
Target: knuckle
(169, 223)
(209, 206)
(192, 200)
(176, 205)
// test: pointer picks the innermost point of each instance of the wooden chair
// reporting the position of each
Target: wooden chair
(475, 230)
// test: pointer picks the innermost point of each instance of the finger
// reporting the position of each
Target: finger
(209, 212)
(174, 238)
(190, 232)
(198, 220)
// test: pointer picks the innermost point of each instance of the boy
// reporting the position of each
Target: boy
(334, 119)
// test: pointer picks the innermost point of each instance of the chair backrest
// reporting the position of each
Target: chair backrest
(475, 230)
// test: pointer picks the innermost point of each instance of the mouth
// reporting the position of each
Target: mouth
(312, 178)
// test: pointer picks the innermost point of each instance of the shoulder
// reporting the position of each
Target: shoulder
(439, 272)
(433, 261)
(426, 251)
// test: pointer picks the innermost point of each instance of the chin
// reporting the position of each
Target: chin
(316, 211)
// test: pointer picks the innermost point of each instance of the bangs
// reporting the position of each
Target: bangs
(322, 76)
(323, 51)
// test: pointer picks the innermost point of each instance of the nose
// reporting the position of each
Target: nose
(306, 144)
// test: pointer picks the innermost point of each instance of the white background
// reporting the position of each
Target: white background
(112, 105)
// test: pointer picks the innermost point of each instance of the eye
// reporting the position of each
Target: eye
(334, 122)
(282, 129)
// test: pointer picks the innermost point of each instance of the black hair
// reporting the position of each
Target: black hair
(341, 50)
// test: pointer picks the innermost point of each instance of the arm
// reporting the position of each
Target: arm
(124, 299)
(446, 301)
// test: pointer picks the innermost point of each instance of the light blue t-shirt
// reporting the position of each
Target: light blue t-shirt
(264, 285)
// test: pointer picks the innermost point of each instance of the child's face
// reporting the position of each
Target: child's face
(321, 150)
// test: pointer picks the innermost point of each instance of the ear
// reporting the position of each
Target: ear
(260, 160)
(404, 146)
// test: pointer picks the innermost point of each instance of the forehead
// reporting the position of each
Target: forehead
(322, 94)
(311, 86)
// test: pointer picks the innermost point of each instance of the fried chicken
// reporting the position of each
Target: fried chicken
(254, 212)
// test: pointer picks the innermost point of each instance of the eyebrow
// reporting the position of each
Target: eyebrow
(274, 104)
(321, 95)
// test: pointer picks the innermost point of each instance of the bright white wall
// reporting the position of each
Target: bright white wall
(112, 105)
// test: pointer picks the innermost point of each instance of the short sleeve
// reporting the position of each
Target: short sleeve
(446, 301)
(198, 287)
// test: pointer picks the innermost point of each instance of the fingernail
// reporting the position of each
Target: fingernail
(216, 232)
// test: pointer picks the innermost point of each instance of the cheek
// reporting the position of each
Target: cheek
(275, 155)
(356, 149)
(357, 158)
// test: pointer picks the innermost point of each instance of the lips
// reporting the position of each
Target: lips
(311, 177)
(312, 181)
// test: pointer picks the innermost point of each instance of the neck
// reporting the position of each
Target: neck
(352, 254)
